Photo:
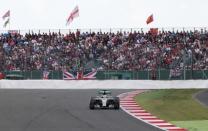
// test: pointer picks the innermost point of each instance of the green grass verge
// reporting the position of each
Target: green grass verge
(193, 125)
(173, 104)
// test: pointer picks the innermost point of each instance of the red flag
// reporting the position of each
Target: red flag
(7, 14)
(73, 14)
(150, 19)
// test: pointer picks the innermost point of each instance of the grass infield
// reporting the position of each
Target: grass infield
(200, 125)
(176, 105)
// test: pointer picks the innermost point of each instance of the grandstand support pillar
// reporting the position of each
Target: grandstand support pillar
(59, 77)
(148, 74)
(184, 73)
(30, 74)
(191, 65)
(159, 73)
(108, 75)
(204, 75)
(110, 30)
(52, 75)
(131, 30)
(184, 65)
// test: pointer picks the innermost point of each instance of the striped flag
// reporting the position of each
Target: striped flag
(73, 14)
(90, 75)
(68, 76)
(7, 14)
(150, 19)
(80, 76)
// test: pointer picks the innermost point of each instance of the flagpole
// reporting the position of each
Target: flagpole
(6, 15)
(9, 23)
(9, 20)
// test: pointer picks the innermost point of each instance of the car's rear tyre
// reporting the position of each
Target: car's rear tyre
(117, 103)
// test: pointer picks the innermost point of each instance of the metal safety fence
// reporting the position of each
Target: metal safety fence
(121, 75)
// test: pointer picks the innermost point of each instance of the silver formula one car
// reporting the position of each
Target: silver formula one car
(104, 100)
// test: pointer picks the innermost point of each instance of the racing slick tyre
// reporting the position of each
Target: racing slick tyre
(116, 103)
(92, 104)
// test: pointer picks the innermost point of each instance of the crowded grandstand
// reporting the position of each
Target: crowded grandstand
(136, 50)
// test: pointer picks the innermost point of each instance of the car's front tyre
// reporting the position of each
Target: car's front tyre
(92, 104)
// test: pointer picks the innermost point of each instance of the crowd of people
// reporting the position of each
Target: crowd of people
(108, 51)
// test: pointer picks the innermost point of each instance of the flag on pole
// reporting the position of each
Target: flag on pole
(150, 19)
(73, 14)
(6, 22)
(7, 14)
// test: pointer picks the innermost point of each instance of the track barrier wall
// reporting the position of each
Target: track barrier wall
(102, 84)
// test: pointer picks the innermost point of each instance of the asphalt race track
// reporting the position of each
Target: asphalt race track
(61, 110)
(203, 97)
